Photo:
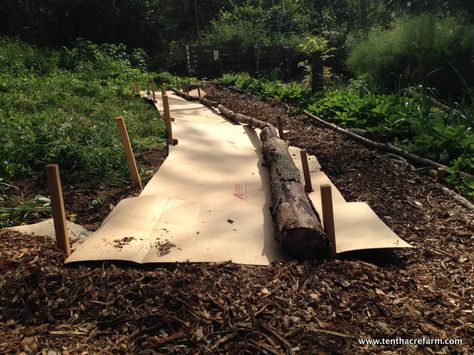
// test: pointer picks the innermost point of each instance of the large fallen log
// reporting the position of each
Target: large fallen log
(298, 227)
(205, 101)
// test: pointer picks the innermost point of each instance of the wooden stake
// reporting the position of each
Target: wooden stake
(328, 217)
(57, 206)
(163, 90)
(166, 108)
(132, 164)
(166, 111)
(154, 95)
(440, 173)
(308, 187)
(254, 109)
(280, 127)
(199, 93)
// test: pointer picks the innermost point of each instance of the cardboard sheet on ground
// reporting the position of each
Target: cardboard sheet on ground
(356, 224)
(181, 109)
(209, 202)
(358, 227)
(210, 199)
(170, 230)
(77, 234)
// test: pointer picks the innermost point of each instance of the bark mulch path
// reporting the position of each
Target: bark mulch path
(310, 307)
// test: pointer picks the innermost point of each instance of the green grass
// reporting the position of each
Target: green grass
(58, 106)
(408, 123)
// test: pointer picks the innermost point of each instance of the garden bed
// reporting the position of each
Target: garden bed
(424, 292)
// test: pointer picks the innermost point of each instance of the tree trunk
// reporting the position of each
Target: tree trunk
(316, 72)
(298, 228)
(363, 15)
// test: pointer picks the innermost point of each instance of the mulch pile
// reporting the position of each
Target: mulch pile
(316, 307)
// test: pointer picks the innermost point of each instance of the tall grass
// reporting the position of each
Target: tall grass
(435, 50)
(58, 106)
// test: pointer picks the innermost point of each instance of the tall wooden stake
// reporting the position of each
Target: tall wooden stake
(57, 206)
(308, 187)
(153, 92)
(163, 90)
(440, 174)
(328, 217)
(132, 164)
(166, 111)
(280, 127)
(166, 108)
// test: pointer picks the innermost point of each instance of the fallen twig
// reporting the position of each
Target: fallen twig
(398, 151)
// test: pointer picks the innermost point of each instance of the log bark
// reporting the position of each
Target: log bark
(205, 101)
(298, 227)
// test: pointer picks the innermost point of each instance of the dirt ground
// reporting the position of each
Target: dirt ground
(311, 307)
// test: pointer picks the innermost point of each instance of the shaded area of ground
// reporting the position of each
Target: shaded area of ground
(427, 292)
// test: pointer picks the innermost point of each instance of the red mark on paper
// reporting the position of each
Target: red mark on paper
(240, 191)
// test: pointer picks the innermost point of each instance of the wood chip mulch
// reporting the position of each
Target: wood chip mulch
(311, 307)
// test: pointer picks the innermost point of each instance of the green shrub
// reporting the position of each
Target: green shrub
(173, 81)
(281, 22)
(431, 49)
(290, 92)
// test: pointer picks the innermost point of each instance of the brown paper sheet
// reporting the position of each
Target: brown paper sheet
(210, 199)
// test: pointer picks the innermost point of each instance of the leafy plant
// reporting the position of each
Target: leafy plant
(40, 206)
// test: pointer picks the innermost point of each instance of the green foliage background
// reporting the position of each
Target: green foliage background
(435, 50)
(58, 100)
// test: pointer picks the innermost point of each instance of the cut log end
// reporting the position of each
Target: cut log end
(304, 243)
